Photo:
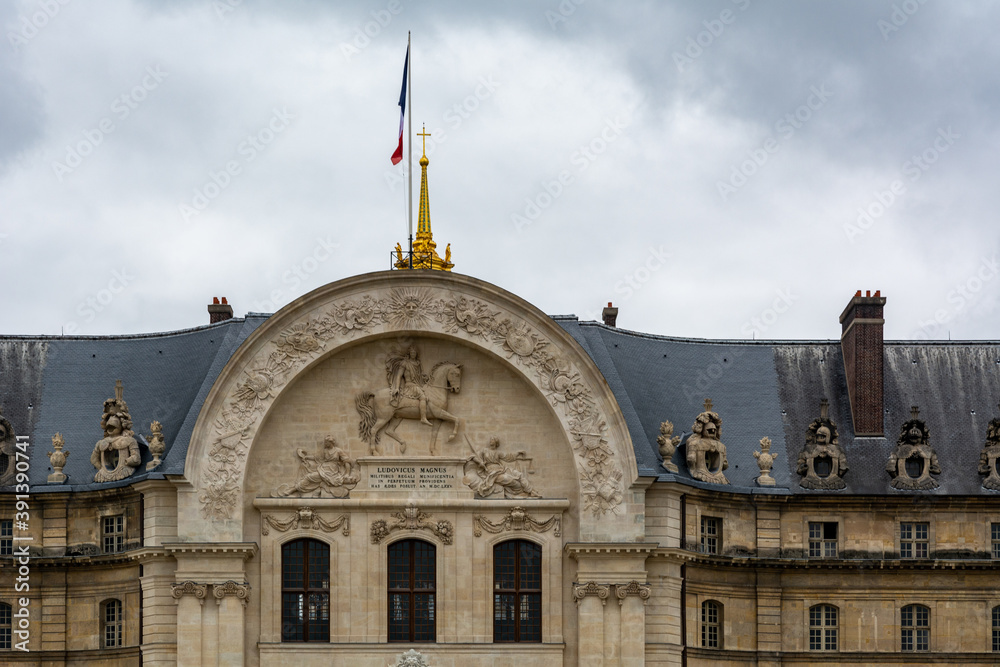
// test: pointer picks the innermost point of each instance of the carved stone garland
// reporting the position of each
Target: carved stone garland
(408, 308)
(411, 658)
(304, 519)
(516, 519)
(411, 518)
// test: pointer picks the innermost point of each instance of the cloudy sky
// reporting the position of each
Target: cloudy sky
(717, 168)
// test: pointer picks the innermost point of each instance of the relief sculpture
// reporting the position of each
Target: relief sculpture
(913, 461)
(332, 474)
(706, 455)
(490, 471)
(410, 395)
(822, 463)
(990, 455)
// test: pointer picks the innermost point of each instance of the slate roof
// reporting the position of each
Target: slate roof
(59, 384)
(759, 388)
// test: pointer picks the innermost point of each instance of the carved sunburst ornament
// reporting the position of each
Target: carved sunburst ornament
(408, 309)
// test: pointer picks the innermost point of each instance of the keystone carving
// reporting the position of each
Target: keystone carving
(116, 455)
(706, 455)
(410, 395)
(57, 459)
(240, 591)
(516, 519)
(304, 519)
(643, 591)
(913, 461)
(990, 455)
(822, 463)
(765, 461)
(490, 471)
(331, 474)
(581, 591)
(411, 658)
(177, 591)
(668, 445)
(8, 452)
(410, 518)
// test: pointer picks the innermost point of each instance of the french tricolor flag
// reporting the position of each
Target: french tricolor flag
(397, 156)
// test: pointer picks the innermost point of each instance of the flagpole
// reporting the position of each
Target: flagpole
(409, 144)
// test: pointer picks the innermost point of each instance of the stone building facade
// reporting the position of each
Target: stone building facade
(419, 468)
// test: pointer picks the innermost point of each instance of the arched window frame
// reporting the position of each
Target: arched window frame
(711, 624)
(824, 627)
(112, 623)
(527, 597)
(413, 566)
(6, 627)
(311, 588)
(915, 628)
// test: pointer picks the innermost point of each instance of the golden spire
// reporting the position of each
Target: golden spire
(424, 248)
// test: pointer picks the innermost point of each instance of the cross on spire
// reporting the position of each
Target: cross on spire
(423, 142)
(708, 405)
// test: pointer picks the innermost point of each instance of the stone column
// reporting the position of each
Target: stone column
(159, 612)
(590, 601)
(232, 599)
(190, 598)
(632, 601)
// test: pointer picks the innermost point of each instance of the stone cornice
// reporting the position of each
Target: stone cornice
(685, 556)
(438, 504)
(220, 549)
(577, 549)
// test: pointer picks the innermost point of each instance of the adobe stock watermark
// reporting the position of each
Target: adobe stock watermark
(454, 118)
(31, 24)
(365, 32)
(959, 298)
(753, 328)
(223, 8)
(714, 28)
(296, 274)
(912, 169)
(551, 189)
(564, 10)
(785, 127)
(899, 17)
(94, 304)
(246, 152)
(122, 107)
(634, 280)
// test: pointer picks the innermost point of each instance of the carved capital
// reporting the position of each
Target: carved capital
(643, 591)
(241, 591)
(516, 519)
(581, 591)
(177, 591)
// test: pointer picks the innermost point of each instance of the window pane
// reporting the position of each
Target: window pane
(412, 602)
(305, 598)
(517, 581)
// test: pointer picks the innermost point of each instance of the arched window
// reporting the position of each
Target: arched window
(6, 618)
(517, 592)
(412, 582)
(305, 591)
(823, 627)
(915, 626)
(711, 624)
(996, 628)
(111, 624)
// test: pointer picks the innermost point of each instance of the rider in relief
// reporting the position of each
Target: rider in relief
(406, 380)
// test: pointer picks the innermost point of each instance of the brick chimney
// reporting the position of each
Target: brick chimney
(861, 343)
(219, 312)
(610, 315)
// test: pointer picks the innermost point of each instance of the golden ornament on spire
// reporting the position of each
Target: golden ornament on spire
(424, 248)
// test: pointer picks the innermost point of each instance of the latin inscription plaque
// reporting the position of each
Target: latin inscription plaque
(418, 475)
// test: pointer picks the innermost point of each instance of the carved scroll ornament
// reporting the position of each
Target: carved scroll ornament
(240, 591)
(411, 518)
(199, 591)
(581, 591)
(642, 591)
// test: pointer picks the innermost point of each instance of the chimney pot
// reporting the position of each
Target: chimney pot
(219, 312)
(610, 315)
(861, 344)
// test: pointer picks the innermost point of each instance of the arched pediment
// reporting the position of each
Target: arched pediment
(365, 308)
